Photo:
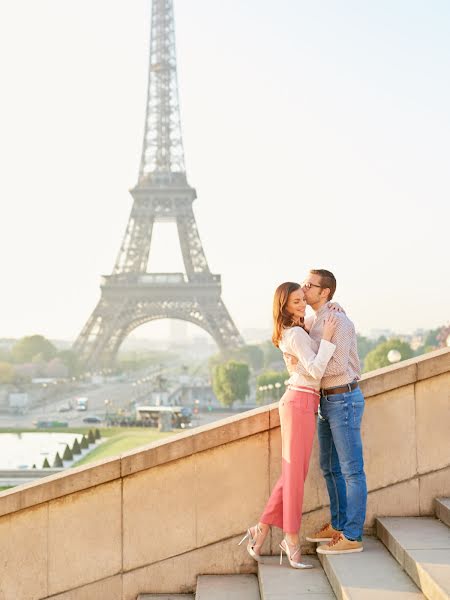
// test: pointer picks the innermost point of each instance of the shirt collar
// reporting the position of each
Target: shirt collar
(322, 310)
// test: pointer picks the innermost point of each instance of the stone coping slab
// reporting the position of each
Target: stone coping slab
(203, 438)
(198, 440)
(60, 484)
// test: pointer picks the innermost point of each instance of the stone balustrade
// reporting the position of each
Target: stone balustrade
(154, 518)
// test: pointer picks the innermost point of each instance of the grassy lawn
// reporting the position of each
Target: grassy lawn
(126, 438)
(119, 439)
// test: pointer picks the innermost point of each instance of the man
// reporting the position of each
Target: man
(339, 423)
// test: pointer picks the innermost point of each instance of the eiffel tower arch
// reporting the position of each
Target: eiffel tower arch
(131, 296)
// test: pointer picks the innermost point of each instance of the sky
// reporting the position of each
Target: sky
(317, 134)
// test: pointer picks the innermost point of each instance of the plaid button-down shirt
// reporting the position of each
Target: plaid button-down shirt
(344, 366)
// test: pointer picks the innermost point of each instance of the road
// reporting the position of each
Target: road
(118, 395)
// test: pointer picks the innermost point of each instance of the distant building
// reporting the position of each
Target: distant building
(375, 334)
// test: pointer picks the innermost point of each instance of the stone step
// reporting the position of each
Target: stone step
(442, 509)
(284, 583)
(165, 597)
(422, 547)
(369, 575)
(227, 587)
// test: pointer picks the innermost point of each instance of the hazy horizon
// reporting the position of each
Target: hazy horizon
(316, 135)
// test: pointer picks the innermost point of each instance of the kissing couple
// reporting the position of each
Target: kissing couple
(321, 356)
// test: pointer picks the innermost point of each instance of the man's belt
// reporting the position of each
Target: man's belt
(342, 389)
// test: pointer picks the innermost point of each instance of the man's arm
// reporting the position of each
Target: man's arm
(338, 365)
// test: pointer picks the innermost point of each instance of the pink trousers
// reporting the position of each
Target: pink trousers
(298, 424)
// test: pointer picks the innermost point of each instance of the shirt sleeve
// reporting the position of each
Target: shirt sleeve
(342, 338)
(301, 346)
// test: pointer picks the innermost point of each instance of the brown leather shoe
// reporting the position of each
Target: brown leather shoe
(325, 534)
(340, 545)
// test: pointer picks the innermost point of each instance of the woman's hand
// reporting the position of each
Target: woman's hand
(336, 307)
(291, 362)
(329, 327)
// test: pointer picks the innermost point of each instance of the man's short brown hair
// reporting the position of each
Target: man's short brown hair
(327, 280)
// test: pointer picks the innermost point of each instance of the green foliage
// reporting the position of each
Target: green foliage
(71, 361)
(76, 447)
(230, 382)
(67, 453)
(27, 348)
(365, 346)
(97, 434)
(270, 378)
(57, 462)
(251, 354)
(442, 336)
(84, 443)
(91, 437)
(271, 353)
(46, 464)
(7, 374)
(377, 357)
(431, 339)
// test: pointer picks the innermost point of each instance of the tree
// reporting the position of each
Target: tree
(251, 354)
(378, 358)
(7, 374)
(230, 382)
(71, 361)
(271, 353)
(35, 345)
(364, 346)
(442, 336)
(56, 368)
(431, 339)
(26, 371)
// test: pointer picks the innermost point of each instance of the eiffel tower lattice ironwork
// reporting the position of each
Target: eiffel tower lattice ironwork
(131, 296)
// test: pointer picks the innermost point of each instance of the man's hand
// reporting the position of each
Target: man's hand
(336, 307)
(291, 362)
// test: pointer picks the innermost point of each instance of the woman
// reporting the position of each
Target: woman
(297, 410)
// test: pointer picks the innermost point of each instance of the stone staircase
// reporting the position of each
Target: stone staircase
(408, 560)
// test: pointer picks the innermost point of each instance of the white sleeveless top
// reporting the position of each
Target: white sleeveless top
(311, 364)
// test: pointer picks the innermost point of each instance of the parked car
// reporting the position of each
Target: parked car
(47, 424)
(92, 419)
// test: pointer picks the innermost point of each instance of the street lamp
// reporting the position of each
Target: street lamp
(107, 402)
(394, 356)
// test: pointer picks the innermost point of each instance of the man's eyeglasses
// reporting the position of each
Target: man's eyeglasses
(308, 285)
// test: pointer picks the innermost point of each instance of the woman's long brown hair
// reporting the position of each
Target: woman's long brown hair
(281, 318)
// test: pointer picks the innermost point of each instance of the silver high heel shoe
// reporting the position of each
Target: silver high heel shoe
(295, 565)
(252, 542)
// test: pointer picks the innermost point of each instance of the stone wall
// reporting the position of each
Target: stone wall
(154, 518)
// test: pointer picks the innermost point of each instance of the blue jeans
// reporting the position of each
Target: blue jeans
(341, 460)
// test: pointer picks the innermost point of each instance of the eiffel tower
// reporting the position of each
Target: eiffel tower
(131, 296)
